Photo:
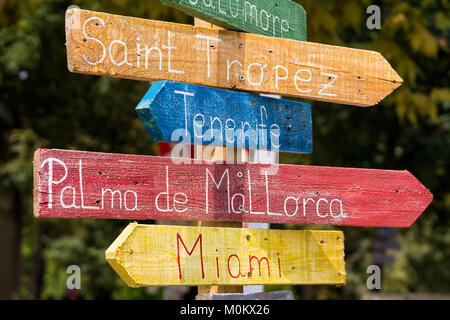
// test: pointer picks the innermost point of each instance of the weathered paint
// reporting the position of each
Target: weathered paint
(280, 18)
(175, 111)
(172, 255)
(117, 46)
(77, 184)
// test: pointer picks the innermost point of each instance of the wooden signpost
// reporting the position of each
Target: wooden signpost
(117, 46)
(146, 255)
(76, 184)
(174, 111)
(281, 19)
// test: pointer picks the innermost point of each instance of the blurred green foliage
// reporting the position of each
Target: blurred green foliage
(42, 104)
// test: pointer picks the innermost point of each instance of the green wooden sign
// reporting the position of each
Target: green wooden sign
(275, 18)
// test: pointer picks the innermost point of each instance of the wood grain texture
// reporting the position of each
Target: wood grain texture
(146, 255)
(218, 289)
(282, 18)
(172, 111)
(117, 46)
(77, 184)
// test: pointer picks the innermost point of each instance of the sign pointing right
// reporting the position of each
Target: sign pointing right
(77, 184)
(110, 45)
(283, 19)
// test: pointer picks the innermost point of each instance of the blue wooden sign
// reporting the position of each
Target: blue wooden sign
(181, 112)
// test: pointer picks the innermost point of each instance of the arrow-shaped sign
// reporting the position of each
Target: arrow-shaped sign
(174, 111)
(77, 184)
(283, 19)
(170, 255)
(110, 45)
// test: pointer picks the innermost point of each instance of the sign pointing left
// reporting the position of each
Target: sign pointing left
(172, 111)
(171, 255)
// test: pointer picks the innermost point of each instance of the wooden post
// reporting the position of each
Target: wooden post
(266, 157)
(219, 153)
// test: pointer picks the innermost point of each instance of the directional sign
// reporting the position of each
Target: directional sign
(76, 184)
(110, 45)
(283, 19)
(174, 111)
(171, 255)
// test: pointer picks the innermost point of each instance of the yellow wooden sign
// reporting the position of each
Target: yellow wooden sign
(110, 45)
(145, 255)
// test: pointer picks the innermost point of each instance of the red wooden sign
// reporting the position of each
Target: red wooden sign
(76, 184)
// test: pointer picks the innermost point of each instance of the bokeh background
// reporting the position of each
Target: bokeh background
(42, 104)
